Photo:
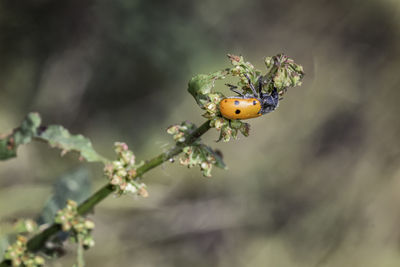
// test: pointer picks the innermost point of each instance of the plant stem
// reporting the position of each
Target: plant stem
(79, 254)
(38, 241)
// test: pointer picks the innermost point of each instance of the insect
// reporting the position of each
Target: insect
(247, 106)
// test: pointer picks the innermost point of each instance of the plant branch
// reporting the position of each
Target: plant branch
(38, 241)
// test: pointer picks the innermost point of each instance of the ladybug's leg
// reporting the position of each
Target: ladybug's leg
(260, 87)
(275, 97)
(251, 85)
(234, 89)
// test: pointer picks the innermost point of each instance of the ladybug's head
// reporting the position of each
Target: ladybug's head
(269, 102)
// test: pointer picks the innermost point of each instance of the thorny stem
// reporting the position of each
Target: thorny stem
(38, 241)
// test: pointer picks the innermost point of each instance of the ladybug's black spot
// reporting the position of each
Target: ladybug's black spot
(237, 111)
(236, 102)
(226, 101)
(254, 102)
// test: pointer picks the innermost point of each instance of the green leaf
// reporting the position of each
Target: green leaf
(201, 85)
(21, 135)
(59, 137)
(75, 185)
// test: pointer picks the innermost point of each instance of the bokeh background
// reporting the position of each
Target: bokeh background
(317, 183)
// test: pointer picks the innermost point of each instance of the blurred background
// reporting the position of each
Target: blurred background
(316, 183)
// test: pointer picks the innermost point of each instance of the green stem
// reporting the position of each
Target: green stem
(38, 241)
(79, 257)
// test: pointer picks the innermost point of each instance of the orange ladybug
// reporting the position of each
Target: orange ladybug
(247, 106)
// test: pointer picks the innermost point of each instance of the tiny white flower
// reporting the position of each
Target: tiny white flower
(130, 188)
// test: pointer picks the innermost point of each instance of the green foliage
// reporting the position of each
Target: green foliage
(79, 227)
(11, 232)
(200, 86)
(18, 255)
(55, 135)
(229, 128)
(22, 226)
(203, 156)
(180, 132)
(240, 69)
(281, 74)
(59, 137)
(21, 135)
(74, 185)
(197, 154)
(122, 172)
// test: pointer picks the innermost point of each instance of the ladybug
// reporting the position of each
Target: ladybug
(247, 106)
